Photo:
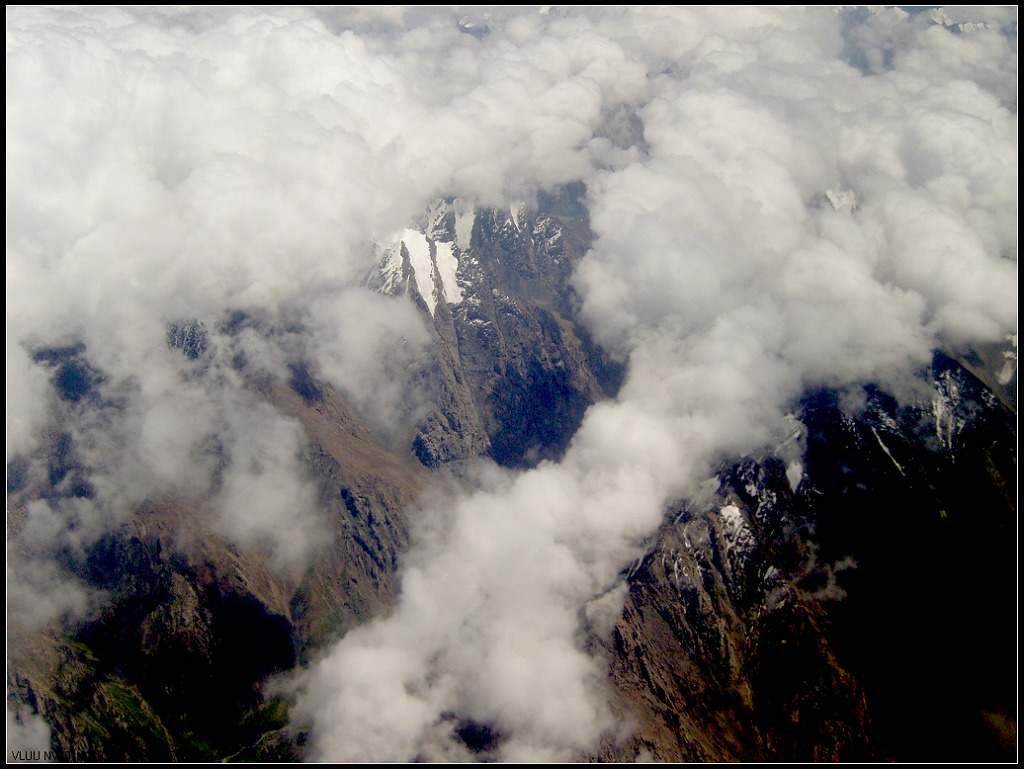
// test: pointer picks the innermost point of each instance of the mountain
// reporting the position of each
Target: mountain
(513, 372)
(847, 594)
(174, 664)
(858, 610)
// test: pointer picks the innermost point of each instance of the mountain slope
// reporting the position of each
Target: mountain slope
(846, 595)
(863, 616)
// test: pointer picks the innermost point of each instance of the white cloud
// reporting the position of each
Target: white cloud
(39, 594)
(265, 498)
(182, 163)
(26, 408)
(366, 345)
(28, 736)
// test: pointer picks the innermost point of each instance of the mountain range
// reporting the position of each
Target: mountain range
(847, 593)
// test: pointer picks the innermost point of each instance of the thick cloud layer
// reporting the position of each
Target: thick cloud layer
(781, 198)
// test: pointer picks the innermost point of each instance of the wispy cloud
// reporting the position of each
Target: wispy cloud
(781, 198)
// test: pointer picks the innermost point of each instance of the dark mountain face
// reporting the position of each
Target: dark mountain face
(513, 371)
(856, 603)
(192, 627)
(928, 517)
(863, 616)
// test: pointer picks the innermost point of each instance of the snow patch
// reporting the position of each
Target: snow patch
(447, 268)
(841, 200)
(418, 246)
(517, 212)
(794, 473)
(737, 536)
(944, 402)
(886, 450)
(433, 258)
(391, 268)
(732, 517)
(636, 566)
(887, 421)
(436, 213)
(1009, 369)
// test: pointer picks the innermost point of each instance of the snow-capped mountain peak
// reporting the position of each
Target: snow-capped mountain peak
(429, 255)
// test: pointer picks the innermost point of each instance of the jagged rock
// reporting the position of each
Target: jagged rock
(513, 373)
(829, 623)
(844, 597)
(189, 336)
(192, 628)
(92, 716)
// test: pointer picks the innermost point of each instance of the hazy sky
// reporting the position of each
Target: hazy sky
(781, 199)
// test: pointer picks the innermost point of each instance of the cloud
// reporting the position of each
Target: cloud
(165, 167)
(28, 736)
(265, 497)
(493, 615)
(40, 594)
(366, 345)
(730, 284)
(26, 411)
(235, 167)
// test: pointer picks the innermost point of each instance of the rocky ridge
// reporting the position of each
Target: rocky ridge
(846, 595)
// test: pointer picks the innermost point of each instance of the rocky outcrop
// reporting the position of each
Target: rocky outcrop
(90, 714)
(192, 627)
(512, 371)
(851, 597)
(847, 619)
(365, 491)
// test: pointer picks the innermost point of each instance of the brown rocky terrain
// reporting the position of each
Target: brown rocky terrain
(859, 610)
